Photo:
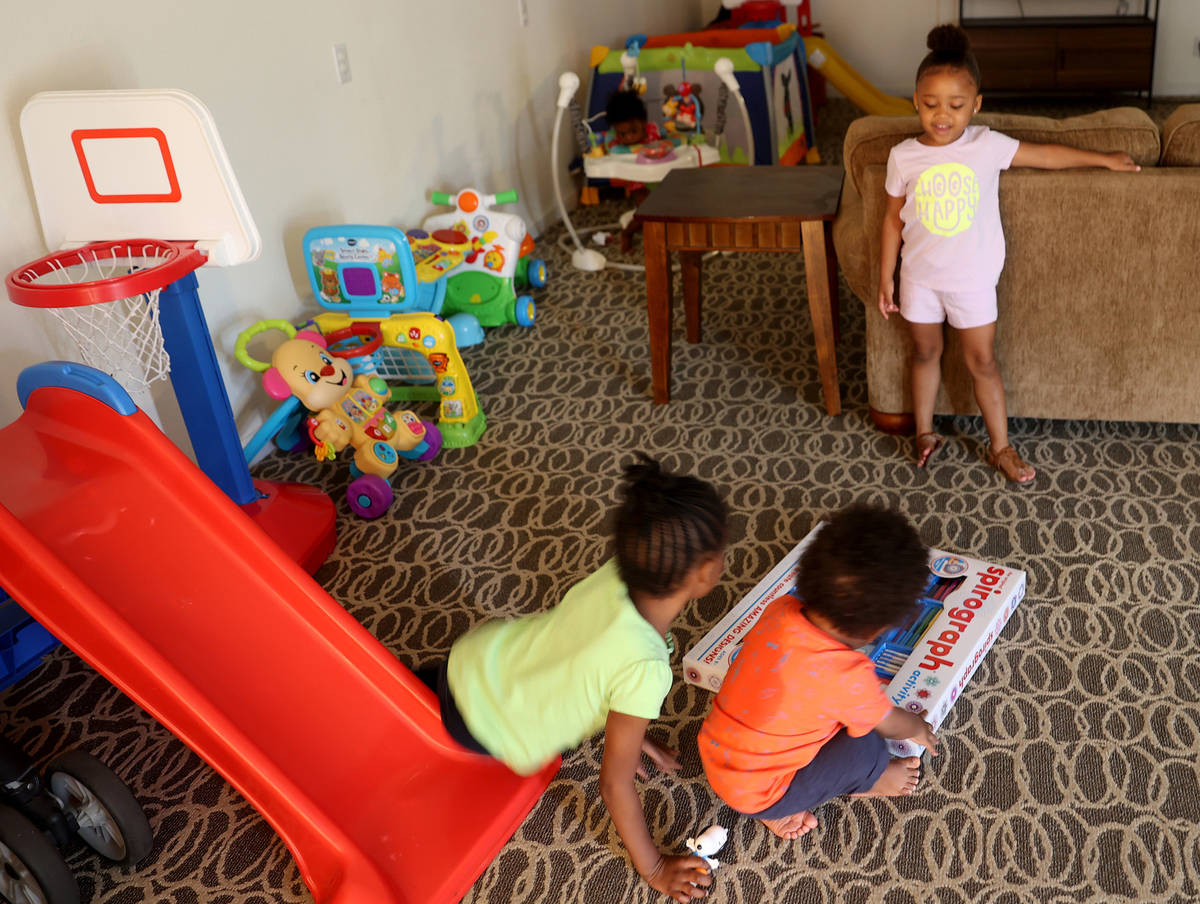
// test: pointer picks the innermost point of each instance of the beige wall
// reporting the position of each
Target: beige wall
(461, 96)
(443, 95)
(885, 40)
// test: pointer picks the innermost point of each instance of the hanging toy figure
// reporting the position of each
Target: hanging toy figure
(687, 110)
(681, 104)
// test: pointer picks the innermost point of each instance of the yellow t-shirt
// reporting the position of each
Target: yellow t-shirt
(532, 687)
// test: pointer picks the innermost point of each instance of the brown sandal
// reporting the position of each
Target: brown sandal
(933, 448)
(1010, 464)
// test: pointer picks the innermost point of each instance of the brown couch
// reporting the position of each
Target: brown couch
(1100, 295)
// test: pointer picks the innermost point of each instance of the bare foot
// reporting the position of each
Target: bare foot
(898, 779)
(792, 827)
(926, 446)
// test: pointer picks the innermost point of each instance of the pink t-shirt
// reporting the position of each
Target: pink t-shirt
(952, 237)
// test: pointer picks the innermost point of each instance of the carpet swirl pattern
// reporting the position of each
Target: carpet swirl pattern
(1068, 769)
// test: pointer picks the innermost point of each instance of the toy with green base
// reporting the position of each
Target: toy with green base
(417, 355)
(349, 275)
(345, 406)
(416, 351)
(496, 261)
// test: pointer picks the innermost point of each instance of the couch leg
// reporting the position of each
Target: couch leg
(889, 422)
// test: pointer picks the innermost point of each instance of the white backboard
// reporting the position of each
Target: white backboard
(134, 164)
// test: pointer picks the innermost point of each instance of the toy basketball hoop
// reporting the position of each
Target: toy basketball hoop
(136, 189)
(105, 295)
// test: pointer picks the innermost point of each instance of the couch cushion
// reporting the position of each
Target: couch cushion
(869, 139)
(1181, 137)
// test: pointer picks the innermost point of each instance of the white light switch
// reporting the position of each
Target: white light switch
(341, 62)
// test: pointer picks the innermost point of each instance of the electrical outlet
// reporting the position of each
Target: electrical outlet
(523, 12)
(341, 63)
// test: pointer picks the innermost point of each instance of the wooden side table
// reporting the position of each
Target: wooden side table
(741, 208)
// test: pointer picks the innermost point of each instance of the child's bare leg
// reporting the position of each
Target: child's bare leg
(926, 378)
(979, 354)
(899, 778)
(627, 235)
(792, 827)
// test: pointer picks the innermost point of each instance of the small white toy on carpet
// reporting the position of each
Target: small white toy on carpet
(708, 843)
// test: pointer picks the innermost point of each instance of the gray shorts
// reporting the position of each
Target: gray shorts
(844, 765)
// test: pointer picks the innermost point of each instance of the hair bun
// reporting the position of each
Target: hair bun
(948, 39)
(646, 474)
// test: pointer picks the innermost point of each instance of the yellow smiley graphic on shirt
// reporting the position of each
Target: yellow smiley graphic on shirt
(947, 196)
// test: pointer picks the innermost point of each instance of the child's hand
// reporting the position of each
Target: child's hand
(887, 304)
(666, 759)
(680, 878)
(924, 734)
(1122, 163)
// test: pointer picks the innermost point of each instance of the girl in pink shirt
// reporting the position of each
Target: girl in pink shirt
(943, 204)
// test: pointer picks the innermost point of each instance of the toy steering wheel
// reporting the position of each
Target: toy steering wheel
(357, 340)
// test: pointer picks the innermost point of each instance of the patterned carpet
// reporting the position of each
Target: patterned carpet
(1068, 769)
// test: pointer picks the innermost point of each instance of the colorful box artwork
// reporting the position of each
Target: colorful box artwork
(926, 662)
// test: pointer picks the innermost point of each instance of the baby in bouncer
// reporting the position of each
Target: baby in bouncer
(629, 125)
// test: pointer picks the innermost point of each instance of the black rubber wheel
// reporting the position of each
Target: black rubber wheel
(32, 871)
(111, 821)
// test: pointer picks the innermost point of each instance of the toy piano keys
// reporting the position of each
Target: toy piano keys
(928, 661)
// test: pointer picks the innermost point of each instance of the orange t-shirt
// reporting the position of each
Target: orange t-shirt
(791, 688)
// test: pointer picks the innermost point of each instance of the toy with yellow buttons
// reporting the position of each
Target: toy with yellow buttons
(347, 411)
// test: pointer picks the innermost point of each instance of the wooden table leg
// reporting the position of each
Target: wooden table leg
(816, 269)
(658, 301)
(834, 300)
(689, 265)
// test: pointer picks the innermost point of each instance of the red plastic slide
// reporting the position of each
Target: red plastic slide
(121, 547)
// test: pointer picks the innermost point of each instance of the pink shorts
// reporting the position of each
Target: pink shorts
(964, 310)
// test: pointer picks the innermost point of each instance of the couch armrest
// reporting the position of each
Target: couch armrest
(853, 253)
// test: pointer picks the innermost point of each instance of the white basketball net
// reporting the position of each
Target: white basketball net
(122, 337)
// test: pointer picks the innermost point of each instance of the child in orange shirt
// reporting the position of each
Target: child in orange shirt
(801, 716)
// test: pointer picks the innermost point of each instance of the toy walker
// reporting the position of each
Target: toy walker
(374, 271)
(348, 411)
(371, 323)
(496, 260)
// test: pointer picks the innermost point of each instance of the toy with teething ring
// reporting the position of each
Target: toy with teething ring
(346, 410)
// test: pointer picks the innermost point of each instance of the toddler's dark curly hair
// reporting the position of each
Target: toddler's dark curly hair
(949, 48)
(864, 570)
(624, 106)
(666, 523)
